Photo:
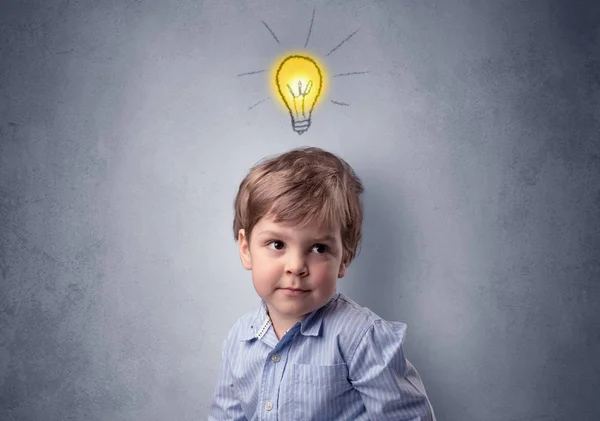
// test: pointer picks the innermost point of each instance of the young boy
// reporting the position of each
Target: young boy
(309, 352)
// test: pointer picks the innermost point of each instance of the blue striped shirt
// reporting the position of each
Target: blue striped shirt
(341, 362)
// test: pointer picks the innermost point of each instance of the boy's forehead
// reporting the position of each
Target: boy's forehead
(315, 228)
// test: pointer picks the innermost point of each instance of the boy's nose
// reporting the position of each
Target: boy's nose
(296, 265)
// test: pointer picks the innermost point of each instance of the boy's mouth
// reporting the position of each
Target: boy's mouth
(294, 291)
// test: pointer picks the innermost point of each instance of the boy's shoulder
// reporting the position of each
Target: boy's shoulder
(347, 324)
(345, 312)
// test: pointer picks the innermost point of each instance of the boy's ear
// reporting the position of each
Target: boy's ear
(244, 250)
(342, 271)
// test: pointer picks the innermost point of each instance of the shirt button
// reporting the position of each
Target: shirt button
(268, 405)
(275, 358)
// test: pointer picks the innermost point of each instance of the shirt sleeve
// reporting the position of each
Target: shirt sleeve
(225, 405)
(389, 385)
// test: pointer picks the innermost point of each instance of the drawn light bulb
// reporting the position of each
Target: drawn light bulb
(299, 82)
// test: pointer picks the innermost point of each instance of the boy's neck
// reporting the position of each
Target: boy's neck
(280, 324)
(280, 331)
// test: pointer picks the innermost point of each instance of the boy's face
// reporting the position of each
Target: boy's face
(294, 270)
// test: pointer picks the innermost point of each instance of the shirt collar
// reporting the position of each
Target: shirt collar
(260, 318)
(310, 325)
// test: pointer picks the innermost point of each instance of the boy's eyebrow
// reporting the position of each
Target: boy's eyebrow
(327, 237)
(272, 234)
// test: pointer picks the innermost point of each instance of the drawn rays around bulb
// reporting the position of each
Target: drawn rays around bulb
(299, 80)
(343, 104)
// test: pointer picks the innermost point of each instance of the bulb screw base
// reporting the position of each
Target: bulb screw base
(301, 126)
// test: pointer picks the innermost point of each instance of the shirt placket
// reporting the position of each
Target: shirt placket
(273, 371)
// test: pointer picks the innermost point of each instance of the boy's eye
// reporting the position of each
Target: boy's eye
(276, 245)
(321, 248)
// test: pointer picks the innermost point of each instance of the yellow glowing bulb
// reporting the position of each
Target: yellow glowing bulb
(299, 81)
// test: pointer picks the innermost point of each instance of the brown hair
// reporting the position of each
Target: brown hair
(301, 186)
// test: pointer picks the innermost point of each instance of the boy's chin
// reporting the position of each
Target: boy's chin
(291, 309)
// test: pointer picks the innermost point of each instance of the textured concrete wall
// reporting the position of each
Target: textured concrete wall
(124, 131)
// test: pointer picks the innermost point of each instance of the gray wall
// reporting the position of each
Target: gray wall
(125, 130)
